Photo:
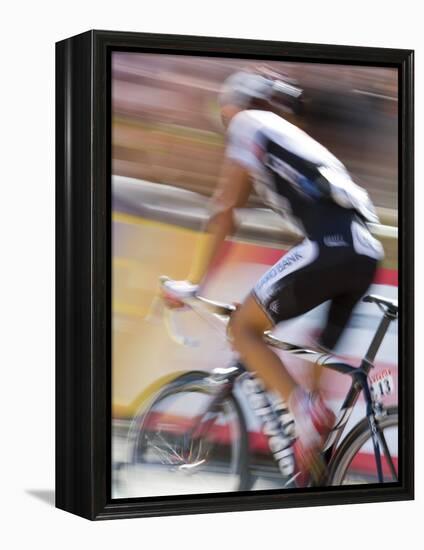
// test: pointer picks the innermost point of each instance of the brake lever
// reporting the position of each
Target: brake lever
(174, 333)
(169, 317)
(159, 313)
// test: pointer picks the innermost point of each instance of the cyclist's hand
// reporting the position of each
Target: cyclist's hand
(176, 293)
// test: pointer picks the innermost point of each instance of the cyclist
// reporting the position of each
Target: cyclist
(335, 262)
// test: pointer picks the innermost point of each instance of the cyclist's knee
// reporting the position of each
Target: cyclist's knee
(242, 332)
(247, 324)
(241, 326)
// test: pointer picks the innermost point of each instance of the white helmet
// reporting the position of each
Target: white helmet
(243, 87)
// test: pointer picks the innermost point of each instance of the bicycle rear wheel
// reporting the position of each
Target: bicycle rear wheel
(175, 448)
(355, 464)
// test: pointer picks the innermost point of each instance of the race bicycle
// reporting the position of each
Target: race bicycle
(193, 437)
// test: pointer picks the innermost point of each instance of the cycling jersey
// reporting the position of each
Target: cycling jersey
(295, 175)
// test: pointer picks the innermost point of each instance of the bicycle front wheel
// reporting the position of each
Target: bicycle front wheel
(355, 463)
(187, 441)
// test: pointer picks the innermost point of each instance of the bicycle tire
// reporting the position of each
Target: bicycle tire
(186, 383)
(354, 441)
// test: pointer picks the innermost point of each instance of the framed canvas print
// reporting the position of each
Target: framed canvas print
(234, 274)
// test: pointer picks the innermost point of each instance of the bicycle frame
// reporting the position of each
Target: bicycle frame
(359, 375)
(359, 384)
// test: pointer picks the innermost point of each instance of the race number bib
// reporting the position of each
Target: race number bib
(381, 384)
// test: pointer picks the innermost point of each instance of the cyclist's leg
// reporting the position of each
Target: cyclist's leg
(286, 297)
(275, 298)
(247, 327)
(338, 315)
(360, 272)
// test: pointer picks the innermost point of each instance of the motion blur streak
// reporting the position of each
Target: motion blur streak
(167, 136)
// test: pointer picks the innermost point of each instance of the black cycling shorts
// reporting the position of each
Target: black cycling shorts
(339, 268)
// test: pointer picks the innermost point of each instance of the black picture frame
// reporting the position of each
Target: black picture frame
(83, 273)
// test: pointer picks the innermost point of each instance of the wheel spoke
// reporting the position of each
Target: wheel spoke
(203, 448)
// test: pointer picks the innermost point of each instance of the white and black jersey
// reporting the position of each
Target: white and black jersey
(298, 177)
(294, 174)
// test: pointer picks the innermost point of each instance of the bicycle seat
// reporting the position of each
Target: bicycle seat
(391, 305)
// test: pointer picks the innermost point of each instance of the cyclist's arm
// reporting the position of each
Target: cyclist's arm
(232, 192)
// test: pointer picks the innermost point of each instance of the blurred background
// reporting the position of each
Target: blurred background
(167, 150)
(167, 129)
